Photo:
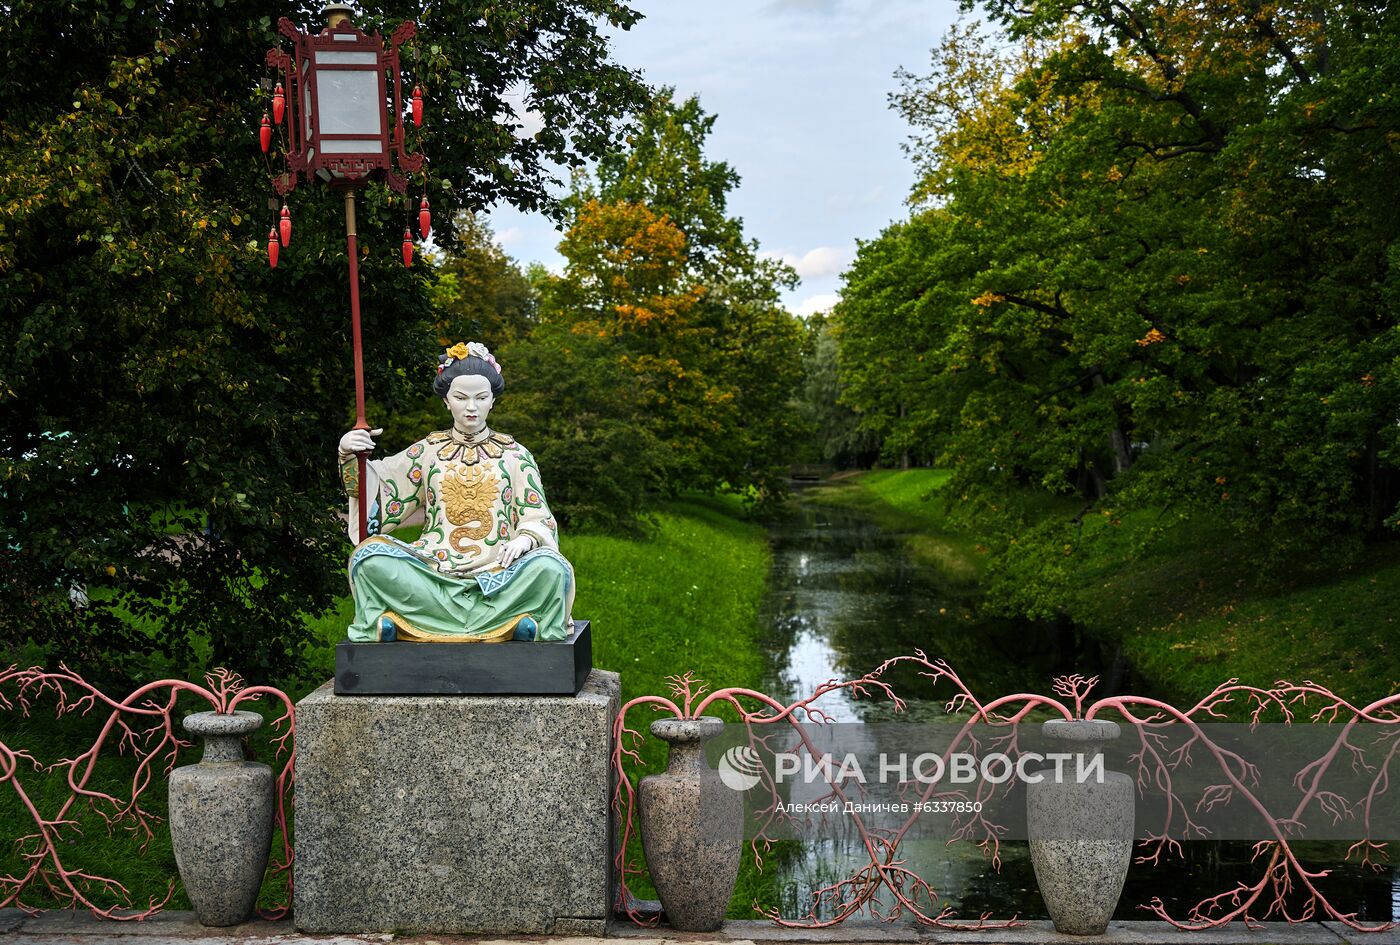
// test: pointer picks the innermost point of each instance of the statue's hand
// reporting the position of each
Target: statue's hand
(515, 548)
(358, 441)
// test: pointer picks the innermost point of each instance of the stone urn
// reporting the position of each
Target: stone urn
(692, 828)
(1081, 834)
(221, 814)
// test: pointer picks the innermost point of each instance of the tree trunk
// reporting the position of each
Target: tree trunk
(1372, 497)
(1117, 439)
(1100, 487)
(904, 454)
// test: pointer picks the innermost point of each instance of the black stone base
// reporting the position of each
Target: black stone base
(514, 667)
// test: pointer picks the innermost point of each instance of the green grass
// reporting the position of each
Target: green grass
(1190, 603)
(683, 598)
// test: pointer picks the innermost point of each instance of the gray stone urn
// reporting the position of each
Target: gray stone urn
(692, 828)
(221, 813)
(1081, 835)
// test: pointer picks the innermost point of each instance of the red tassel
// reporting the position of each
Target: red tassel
(425, 219)
(407, 248)
(279, 105)
(285, 226)
(265, 135)
(272, 247)
(417, 106)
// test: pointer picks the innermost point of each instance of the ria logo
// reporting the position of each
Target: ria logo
(740, 768)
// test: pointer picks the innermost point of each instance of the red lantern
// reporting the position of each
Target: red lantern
(425, 219)
(265, 135)
(417, 106)
(407, 248)
(286, 226)
(272, 247)
(279, 105)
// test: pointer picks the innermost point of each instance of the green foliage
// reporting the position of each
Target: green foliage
(476, 292)
(889, 332)
(576, 407)
(664, 167)
(1151, 266)
(169, 406)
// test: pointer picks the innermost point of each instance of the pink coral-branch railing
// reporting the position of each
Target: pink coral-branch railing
(155, 748)
(1285, 889)
(143, 724)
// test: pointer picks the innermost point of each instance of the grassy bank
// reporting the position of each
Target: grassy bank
(1195, 609)
(684, 598)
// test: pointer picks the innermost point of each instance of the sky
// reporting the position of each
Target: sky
(800, 88)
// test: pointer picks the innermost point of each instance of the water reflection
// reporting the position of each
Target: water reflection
(844, 597)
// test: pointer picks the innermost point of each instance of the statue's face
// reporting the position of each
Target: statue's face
(469, 400)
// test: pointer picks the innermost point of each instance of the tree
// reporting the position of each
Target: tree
(664, 286)
(475, 292)
(664, 167)
(478, 291)
(168, 406)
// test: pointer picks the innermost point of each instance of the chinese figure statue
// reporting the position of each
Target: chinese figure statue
(486, 566)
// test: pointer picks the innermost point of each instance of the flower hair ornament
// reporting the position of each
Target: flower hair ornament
(466, 350)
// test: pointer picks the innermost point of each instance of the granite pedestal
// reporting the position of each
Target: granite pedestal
(455, 814)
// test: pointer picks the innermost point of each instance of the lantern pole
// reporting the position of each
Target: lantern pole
(360, 422)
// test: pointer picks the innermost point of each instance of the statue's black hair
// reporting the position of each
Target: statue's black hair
(468, 365)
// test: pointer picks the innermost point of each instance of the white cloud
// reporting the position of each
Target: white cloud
(816, 263)
(510, 235)
(812, 304)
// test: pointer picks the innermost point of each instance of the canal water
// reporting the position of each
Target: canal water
(846, 595)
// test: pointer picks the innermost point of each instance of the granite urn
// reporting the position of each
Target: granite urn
(692, 828)
(221, 814)
(1081, 831)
